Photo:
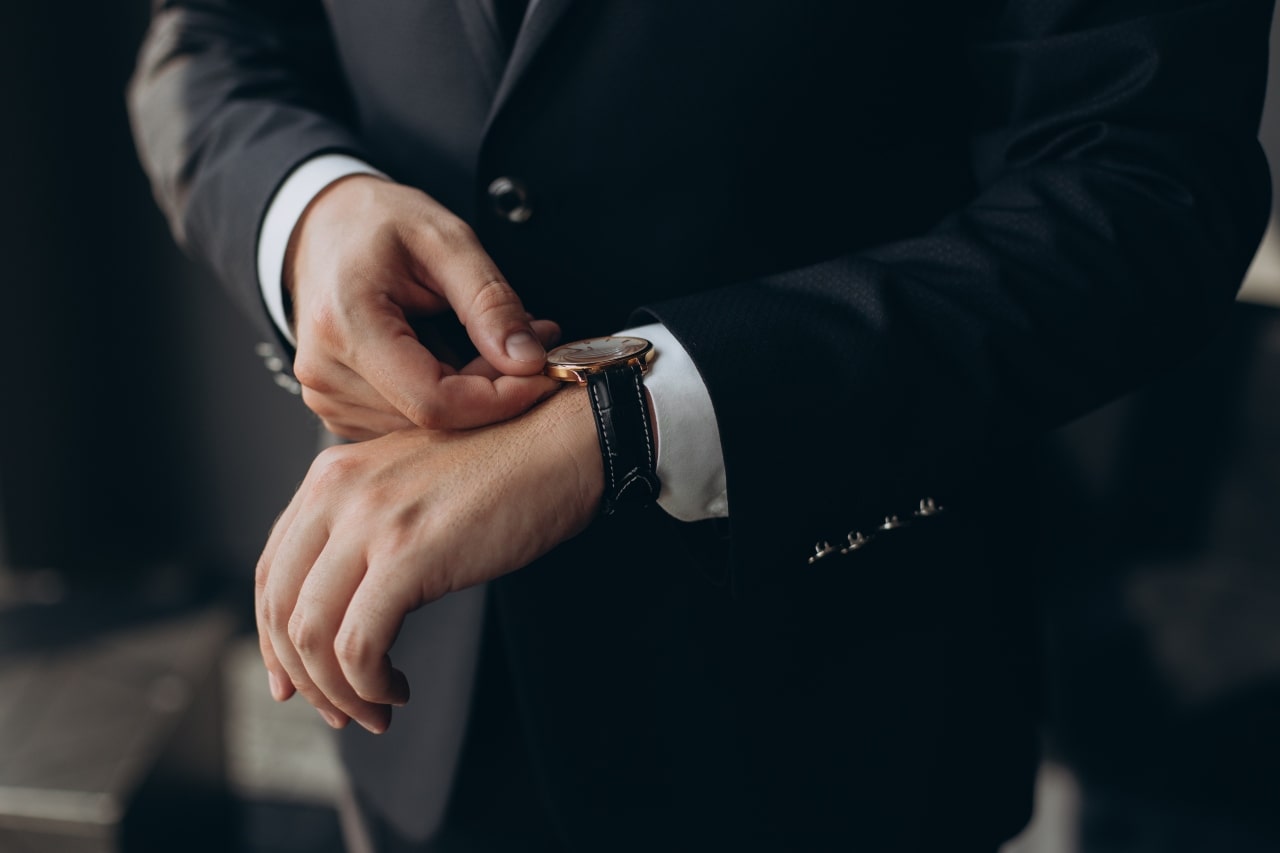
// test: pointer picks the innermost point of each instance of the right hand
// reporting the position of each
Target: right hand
(381, 528)
(366, 255)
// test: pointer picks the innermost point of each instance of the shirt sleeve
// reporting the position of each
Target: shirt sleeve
(690, 459)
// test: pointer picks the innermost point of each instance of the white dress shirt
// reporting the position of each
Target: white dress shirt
(690, 458)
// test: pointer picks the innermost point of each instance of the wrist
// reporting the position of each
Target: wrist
(570, 430)
(318, 220)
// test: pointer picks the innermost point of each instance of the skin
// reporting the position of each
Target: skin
(383, 527)
(446, 454)
(367, 254)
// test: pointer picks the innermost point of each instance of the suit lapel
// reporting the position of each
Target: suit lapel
(481, 29)
(541, 20)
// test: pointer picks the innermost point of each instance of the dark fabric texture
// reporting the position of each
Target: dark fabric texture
(899, 241)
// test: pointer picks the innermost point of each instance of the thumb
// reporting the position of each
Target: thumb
(500, 328)
(462, 272)
(548, 333)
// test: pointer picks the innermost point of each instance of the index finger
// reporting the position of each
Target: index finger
(434, 395)
(456, 266)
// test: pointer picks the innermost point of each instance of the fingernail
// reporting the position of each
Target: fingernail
(523, 346)
(277, 689)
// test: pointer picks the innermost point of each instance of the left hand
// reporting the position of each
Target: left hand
(366, 257)
(381, 528)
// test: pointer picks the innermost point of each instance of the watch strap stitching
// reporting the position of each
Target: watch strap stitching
(636, 373)
(611, 481)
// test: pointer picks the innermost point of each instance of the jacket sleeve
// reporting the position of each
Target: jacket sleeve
(228, 97)
(1121, 194)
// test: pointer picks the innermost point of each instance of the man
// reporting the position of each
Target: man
(879, 247)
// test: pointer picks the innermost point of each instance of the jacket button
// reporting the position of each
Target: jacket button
(510, 199)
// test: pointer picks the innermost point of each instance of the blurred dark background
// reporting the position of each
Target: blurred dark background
(145, 449)
(139, 426)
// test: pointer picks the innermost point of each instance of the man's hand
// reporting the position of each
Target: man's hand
(381, 528)
(366, 254)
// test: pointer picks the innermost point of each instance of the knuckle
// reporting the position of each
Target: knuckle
(460, 233)
(442, 235)
(493, 297)
(355, 650)
(334, 462)
(303, 633)
(431, 231)
(449, 231)
(327, 327)
(272, 615)
(311, 375)
(427, 413)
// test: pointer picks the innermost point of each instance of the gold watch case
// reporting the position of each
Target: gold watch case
(574, 362)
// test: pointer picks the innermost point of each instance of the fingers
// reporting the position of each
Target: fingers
(548, 333)
(277, 677)
(466, 401)
(431, 395)
(284, 567)
(306, 578)
(334, 653)
(351, 421)
(406, 386)
(301, 604)
(458, 267)
(368, 255)
(313, 629)
(368, 631)
(400, 369)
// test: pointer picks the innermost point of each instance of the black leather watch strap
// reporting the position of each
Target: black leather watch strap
(626, 437)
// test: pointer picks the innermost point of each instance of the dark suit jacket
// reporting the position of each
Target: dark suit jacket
(899, 239)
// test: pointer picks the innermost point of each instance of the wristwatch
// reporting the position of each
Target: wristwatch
(612, 369)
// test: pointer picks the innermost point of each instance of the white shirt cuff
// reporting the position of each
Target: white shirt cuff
(290, 202)
(690, 458)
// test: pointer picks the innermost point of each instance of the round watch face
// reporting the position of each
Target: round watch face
(576, 361)
(597, 351)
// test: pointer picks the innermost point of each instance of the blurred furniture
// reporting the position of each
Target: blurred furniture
(110, 724)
